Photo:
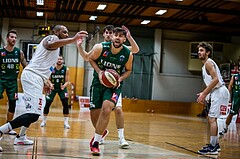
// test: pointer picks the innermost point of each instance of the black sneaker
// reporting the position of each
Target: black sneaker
(210, 150)
(217, 146)
(224, 131)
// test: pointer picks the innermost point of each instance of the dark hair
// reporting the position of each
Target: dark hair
(206, 46)
(11, 31)
(120, 30)
(108, 27)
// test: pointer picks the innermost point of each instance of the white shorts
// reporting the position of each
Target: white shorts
(219, 97)
(119, 102)
(32, 85)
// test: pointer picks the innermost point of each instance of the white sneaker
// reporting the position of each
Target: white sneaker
(123, 143)
(67, 126)
(43, 124)
(105, 133)
(11, 132)
(22, 140)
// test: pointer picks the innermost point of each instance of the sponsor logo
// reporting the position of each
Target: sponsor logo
(121, 58)
(3, 53)
(115, 97)
(28, 106)
(105, 54)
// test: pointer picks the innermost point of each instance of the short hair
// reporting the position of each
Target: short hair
(120, 30)
(108, 27)
(57, 28)
(206, 46)
(11, 31)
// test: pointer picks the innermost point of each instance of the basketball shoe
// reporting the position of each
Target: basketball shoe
(22, 140)
(217, 146)
(105, 133)
(224, 131)
(123, 143)
(94, 148)
(43, 124)
(11, 132)
(210, 150)
(66, 126)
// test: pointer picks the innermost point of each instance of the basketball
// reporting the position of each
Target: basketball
(110, 78)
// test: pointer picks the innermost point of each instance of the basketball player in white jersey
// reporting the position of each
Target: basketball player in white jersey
(119, 117)
(218, 93)
(35, 76)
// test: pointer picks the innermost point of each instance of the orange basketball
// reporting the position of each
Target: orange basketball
(110, 78)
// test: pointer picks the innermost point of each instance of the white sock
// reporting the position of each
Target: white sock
(97, 137)
(6, 128)
(66, 120)
(213, 140)
(23, 131)
(121, 133)
(44, 119)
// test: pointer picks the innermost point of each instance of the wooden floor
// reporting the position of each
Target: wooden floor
(150, 135)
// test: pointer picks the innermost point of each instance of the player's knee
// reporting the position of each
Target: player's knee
(31, 119)
(12, 106)
(65, 105)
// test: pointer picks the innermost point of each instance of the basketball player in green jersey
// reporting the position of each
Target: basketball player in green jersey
(234, 89)
(107, 55)
(107, 34)
(10, 59)
(58, 84)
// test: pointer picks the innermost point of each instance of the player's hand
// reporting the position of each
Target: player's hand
(81, 35)
(127, 31)
(46, 89)
(201, 98)
(79, 42)
(62, 86)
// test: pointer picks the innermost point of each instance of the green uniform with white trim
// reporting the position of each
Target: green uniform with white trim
(107, 60)
(9, 70)
(58, 79)
(235, 95)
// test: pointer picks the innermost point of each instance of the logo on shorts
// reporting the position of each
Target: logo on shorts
(16, 96)
(92, 105)
(115, 97)
(66, 94)
(40, 104)
(28, 106)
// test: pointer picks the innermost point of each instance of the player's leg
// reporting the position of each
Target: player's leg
(49, 99)
(12, 93)
(63, 94)
(119, 117)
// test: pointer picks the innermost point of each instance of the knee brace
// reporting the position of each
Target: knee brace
(24, 120)
(47, 106)
(65, 105)
(12, 106)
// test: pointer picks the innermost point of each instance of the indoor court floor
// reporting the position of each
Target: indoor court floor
(150, 135)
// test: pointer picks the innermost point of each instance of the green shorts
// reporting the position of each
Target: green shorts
(100, 93)
(235, 105)
(11, 87)
(62, 94)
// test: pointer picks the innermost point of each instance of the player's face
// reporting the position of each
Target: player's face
(108, 35)
(60, 61)
(63, 33)
(202, 54)
(11, 39)
(118, 39)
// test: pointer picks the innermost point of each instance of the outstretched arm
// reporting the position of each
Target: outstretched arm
(133, 44)
(85, 55)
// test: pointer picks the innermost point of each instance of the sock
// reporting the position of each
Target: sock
(121, 133)
(6, 128)
(213, 140)
(23, 131)
(97, 138)
(66, 120)
(44, 119)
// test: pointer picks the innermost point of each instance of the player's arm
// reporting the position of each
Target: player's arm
(66, 79)
(128, 68)
(210, 68)
(52, 42)
(230, 85)
(85, 55)
(22, 59)
(134, 48)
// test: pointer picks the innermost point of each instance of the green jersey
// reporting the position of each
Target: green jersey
(236, 86)
(10, 63)
(108, 60)
(58, 77)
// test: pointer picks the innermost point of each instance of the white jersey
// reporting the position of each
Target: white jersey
(208, 79)
(43, 60)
